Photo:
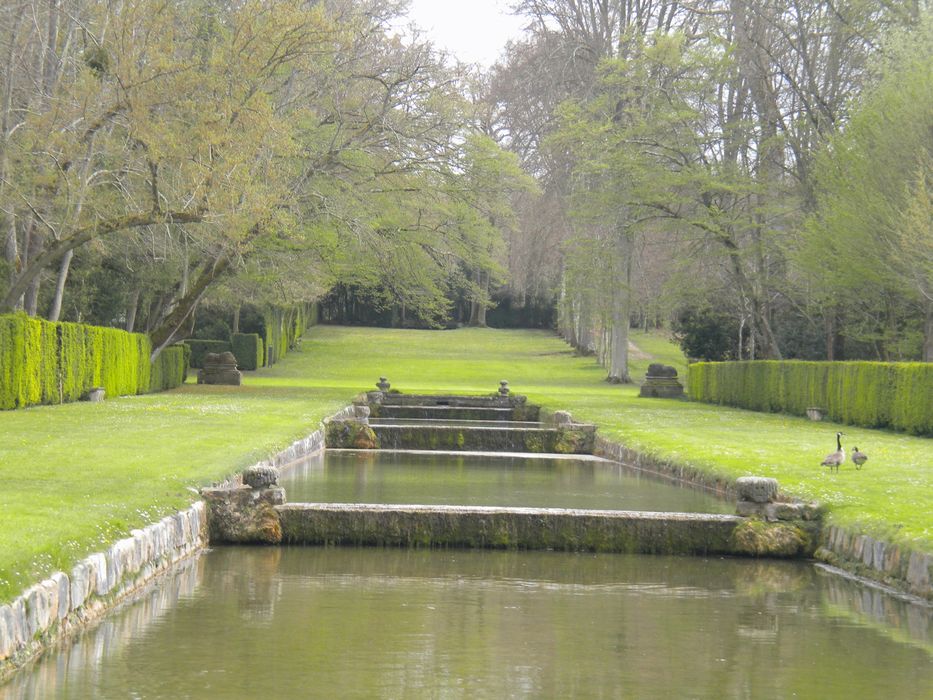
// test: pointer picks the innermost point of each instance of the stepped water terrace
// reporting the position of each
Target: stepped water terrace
(440, 614)
(487, 472)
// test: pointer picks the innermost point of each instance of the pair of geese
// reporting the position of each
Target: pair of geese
(835, 459)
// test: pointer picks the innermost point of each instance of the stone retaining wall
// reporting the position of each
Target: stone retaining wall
(52, 609)
(51, 675)
(64, 603)
(894, 566)
(618, 452)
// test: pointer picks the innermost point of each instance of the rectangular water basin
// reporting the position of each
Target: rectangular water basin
(488, 479)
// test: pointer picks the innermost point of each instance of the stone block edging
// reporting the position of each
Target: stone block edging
(891, 565)
(298, 450)
(618, 452)
(63, 604)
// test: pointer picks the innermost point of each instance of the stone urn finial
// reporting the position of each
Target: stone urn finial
(383, 384)
(503, 388)
(261, 476)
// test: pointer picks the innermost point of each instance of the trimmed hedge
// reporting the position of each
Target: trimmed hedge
(170, 368)
(45, 362)
(200, 348)
(896, 395)
(284, 328)
(248, 349)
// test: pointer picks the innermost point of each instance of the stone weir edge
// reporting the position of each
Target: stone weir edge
(64, 604)
(898, 567)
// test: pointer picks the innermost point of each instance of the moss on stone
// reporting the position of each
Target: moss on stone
(350, 434)
(762, 539)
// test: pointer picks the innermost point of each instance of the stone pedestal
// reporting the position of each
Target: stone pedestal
(244, 514)
(220, 369)
(815, 413)
(661, 383)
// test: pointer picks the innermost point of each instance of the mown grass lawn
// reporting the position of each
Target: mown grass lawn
(81, 475)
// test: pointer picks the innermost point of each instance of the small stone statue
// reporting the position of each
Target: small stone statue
(383, 385)
(503, 388)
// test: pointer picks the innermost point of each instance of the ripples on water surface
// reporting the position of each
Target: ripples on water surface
(370, 623)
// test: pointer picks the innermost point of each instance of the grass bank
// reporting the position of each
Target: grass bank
(78, 476)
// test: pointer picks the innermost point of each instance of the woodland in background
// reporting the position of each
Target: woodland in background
(753, 175)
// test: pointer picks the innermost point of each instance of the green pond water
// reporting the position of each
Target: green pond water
(280, 622)
(487, 480)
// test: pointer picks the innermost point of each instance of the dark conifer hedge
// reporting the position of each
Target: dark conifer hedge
(248, 349)
(896, 395)
(170, 368)
(199, 348)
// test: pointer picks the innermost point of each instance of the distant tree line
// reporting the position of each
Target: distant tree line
(754, 176)
(159, 155)
(756, 172)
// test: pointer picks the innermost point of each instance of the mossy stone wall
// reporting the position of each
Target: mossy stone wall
(507, 528)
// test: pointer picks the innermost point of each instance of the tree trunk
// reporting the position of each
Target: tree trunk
(621, 308)
(131, 307)
(33, 269)
(55, 309)
(927, 355)
(478, 306)
(169, 330)
(11, 251)
(481, 312)
(32, 249)
(584, 320)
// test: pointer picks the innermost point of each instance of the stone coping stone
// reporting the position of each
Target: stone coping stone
(515, 528)
(451, 400)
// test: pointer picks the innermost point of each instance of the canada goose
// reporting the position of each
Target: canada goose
(834, 459)
(859, 458)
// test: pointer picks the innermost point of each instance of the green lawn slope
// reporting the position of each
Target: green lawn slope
(81, 475)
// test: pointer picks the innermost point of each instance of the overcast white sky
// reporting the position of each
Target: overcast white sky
(474, 31)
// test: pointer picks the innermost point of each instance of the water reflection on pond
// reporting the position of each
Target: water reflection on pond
(322, 622)
(485, 479)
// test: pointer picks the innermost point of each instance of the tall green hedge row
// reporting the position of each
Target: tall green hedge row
(248, 350)
(870, 394)
(284, 328)
(170, 368)
(45, 362)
